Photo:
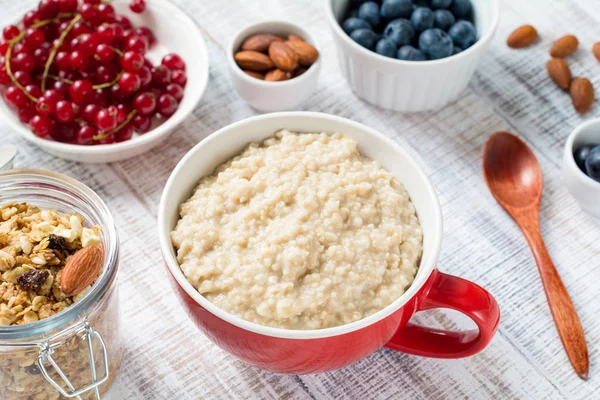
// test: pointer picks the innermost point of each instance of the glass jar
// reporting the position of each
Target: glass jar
(77, 352)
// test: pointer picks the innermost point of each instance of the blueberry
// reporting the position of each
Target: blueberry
(386, 47)
(456, 50)
(409, 53)
(396, 8)
(581, 154)
(369, 11)
(592, 164)
(461, 9)
(443, 19)
(400, 31)
(352, 24)
(440, 3)
(463, 34)
(422, 19)
(435, 43)
(365, 37)
(353, 14)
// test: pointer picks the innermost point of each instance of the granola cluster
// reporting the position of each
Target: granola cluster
(34, 247)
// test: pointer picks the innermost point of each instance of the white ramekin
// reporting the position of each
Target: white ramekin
(410, 86)
(583, 188)
(273, 96)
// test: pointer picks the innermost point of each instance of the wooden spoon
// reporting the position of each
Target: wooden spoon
(514, 177)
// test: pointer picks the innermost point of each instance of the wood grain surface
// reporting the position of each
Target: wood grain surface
(168, 358)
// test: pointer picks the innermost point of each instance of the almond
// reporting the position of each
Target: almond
(253, 60)
(523, 36)
(260, 42)
(283, 56)
(564, 46)
(254, 74)
(306, 52)
(299, 71)
(276, 75)
(559, 71)
(295, 38)
(582, 95)
(596, 50)
(81, 270)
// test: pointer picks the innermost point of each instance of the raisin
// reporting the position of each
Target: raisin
(57, 243)
(32, 280)
(33, 369)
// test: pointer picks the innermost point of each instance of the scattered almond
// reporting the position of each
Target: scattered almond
(295, 38)
(283, 56)
(521, 37)
(307, 54)
(260, 42)
(582, 94)
(253, 60)
(564, 46)
(81, 270)
(596, 50)
(276, 75)
(254, 74)
(559, 71)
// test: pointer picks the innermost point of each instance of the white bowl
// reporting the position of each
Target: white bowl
(410, 86)
(176, 33)
(583, 188)
(273, 96)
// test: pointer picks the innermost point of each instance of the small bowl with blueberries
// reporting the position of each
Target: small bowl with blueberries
(411, 55)
(581, 165)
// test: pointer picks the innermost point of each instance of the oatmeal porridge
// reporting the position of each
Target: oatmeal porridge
(299, 232)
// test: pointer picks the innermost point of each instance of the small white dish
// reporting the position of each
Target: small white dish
(583, 188)
(410, 86)
(7, 156)
(273, 96)
(177, 33)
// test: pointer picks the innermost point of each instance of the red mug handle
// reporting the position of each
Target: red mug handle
(449, 291)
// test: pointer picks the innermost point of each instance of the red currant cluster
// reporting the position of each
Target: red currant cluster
(78, 73)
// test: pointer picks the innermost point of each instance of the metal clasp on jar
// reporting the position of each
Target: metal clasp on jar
(47, 349)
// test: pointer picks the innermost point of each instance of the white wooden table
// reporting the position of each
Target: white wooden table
(168, 358)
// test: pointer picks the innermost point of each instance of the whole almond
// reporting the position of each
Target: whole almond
(564, 46)
(523, 36)
(582, 94)
(260, 42)
(559, 71)
(295, 38)
(283, 56)
(276, 75)
(306, 52)
(299, 71)
(596, 50)
(254, 74)
(253, 60)
(81, 270)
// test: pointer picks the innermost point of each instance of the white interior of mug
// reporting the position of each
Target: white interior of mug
(231, 140)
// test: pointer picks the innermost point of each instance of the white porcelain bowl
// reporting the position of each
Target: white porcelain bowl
(177, 33)
(410, 86)
(273, 96)
(583, 188)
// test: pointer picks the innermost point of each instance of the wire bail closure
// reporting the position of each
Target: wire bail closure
(46, 350)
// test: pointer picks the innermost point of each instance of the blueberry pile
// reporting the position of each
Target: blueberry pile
(587, 158)
(413, 30)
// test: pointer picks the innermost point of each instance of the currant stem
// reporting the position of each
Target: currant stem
(61, 40)
(109, 84)
(118, 128)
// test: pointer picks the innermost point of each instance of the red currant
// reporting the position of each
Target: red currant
(61, 88)
(138, 44)
(179, 77)
(106, 33)
(3, 48)
(30, 18)
(81, 91)
(23, 78)
(123, 111)
(15, 97)
(47, 9)
(106, 120)
(173, 62)
(26, 113)
(147, 33)
(145, 103)
(161, 75)
(42, 126)
(45, 106)
(88, 42)
(129, 83)
(23, 62)
(105, 53)
(66, 6)
(92, 2)
(106, 12)
(175, 90)
(4, 77)
(41, 56)
(10, 32)
(65, 133)
(167, 105)
(34, 91)
(145, 77)
(80, 28)
(142, 123)
(62, 60)
(124, 134)
(137, 6)
(89, 113)
(132, 61)
(85, 135)
(89, 12)
(34, 38)
(116, 94)
(53, 95)
(110, 139)
(64, 112)
(105, 73)
(78, 60)
(123, 21)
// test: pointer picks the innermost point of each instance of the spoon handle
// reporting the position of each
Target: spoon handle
(562, 308)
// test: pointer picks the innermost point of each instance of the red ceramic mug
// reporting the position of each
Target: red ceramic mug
(311, 351)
